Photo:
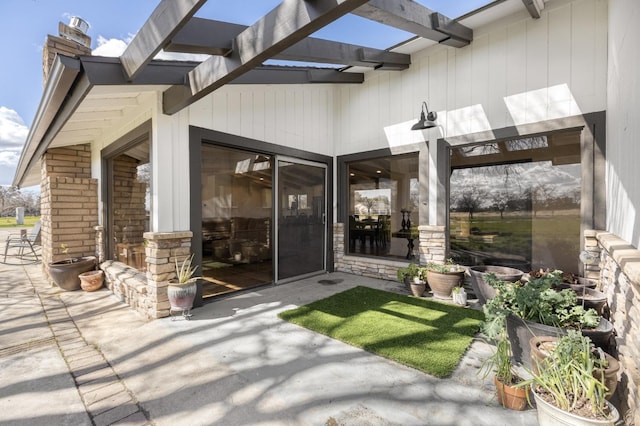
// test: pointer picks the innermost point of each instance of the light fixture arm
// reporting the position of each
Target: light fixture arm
(426, 120)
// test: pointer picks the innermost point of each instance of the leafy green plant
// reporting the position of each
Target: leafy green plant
(448, 266)
(537, 301)
(566, 376)
(500, 361)
(410, 271)
(184, 271)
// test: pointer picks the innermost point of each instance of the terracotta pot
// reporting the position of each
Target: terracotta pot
(91, 280)
(442, 283)
(511, 397)
(418, 289)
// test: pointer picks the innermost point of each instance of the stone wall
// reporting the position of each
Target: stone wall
(147, 292)
(431, 247)
(619, 275)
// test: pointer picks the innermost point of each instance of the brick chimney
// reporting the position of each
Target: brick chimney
(72, 40)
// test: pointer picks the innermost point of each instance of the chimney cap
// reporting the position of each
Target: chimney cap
(79, 24)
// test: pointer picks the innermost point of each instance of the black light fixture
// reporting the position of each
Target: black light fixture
(425, 122)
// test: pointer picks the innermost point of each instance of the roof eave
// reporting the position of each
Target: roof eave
(64, 72)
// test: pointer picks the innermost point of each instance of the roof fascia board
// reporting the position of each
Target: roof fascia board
(80, 91)
(211, 37)
(64, 72)
(415, 18)
(165, 21)
(282, 27)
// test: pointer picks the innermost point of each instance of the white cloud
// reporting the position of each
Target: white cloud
(114, 47)
(13, 134)
(13, 131)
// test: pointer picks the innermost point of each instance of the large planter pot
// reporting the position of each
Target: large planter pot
(483, 290)
(511, 397)
(550, 415)
(541, 346)
(442, 283)
(65, 273)
(181, 297)
(588, 297)
(521, 331)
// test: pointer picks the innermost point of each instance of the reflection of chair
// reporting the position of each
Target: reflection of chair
(24, 241)
(355, 232)
(384, 229)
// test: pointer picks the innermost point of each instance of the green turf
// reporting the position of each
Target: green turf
(10, 222)
(423, 334)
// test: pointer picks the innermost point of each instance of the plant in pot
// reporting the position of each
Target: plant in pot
(567, 387)
(443, 278)
(413, 277)
(182, 289)
(536, 309)
(65, 273)
(505, 379)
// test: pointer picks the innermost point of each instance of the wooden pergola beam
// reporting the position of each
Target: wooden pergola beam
(410, 16)
(287, 24)
(534, 7)
(210, 37)
(165, 21)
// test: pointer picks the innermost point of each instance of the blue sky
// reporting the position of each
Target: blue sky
(24, 25)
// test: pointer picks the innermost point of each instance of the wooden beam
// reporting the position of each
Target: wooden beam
(167, 19)
(210, 37)
(287, 24)
(534, 7)
(410, 16)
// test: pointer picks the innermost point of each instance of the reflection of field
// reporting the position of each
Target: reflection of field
(550, 239)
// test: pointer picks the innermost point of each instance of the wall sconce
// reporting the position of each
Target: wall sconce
(425, 122)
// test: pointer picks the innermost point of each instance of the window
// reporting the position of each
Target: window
(380, 189)
(517, 203)
(128, 202)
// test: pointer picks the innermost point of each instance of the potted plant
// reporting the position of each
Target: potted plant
(508, 392)
(566, 386)
(543, 346)
(480, 287)
(413, 277)
(65, 273)
(443, 278)
(182, 289)
(536, 309)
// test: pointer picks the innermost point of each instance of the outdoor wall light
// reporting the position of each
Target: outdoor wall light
(425, 122)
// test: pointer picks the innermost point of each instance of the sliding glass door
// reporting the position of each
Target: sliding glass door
(301, 218)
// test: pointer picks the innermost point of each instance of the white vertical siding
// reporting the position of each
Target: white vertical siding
(623, 123)
(516, 71)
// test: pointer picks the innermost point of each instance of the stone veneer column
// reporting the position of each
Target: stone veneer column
(620, 281)
(592, 271)
(162, 250)
(432, 244)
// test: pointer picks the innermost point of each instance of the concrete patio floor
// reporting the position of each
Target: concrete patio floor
(76, 358)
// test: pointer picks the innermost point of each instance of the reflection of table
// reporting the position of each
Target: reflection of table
(410, 236)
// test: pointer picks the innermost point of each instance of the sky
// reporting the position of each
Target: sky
(24, 25)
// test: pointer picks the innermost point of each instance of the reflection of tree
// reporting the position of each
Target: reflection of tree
(500, 200)
(470, 200)
(377, 205)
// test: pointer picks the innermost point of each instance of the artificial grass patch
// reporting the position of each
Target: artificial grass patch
(423, 334)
